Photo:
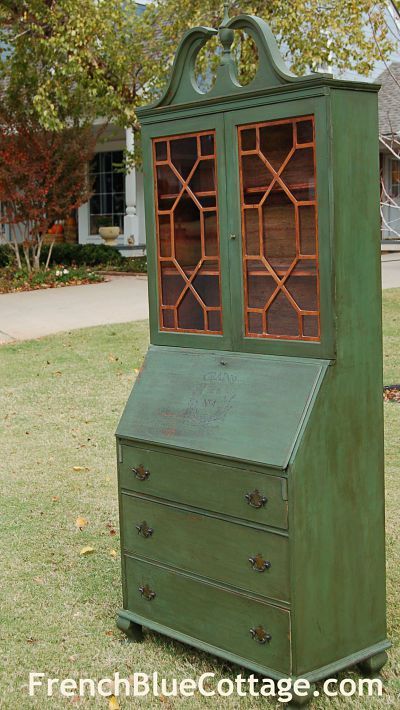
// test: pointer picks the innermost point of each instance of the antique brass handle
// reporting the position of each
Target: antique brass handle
(260, 635)
(147, 593)
(255, 499)
(144, 530)
(141, 473)
(259, 564)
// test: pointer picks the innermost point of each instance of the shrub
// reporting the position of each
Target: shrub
(6, 256)
(94, 255)
(83, 254)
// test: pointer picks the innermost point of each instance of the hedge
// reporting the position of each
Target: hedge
(81, 255)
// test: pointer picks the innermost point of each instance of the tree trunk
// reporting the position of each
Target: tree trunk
(15, 246)
(36, 249)
(49, 255)
(26, 255)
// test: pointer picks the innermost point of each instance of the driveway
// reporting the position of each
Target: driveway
(33, 314)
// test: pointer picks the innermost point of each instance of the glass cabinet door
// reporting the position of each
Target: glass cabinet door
(279, 229)
(188, 255)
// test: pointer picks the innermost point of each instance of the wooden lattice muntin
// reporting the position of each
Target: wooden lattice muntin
(279, 227)
(187, 233)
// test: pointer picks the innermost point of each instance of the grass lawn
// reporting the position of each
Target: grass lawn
(61, 399)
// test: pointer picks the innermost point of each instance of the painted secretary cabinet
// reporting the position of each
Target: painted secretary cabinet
(250, 450)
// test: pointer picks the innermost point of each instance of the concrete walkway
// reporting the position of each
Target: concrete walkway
(33, 314)
(391, 270)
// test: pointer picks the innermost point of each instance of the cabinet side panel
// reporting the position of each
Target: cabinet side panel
(336, 495)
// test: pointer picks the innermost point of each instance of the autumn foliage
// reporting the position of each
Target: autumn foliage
(43, 176)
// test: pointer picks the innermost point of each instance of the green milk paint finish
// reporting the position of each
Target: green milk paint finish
(250, 452)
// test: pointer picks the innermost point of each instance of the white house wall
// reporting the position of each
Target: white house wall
(132, 241)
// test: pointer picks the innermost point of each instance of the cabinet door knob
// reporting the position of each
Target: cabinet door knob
(260, 635)
(259, 564)
(141, 473)
(255, 499)
(144, 530)
(147, 593)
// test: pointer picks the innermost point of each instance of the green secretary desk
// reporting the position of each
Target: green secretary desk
(250, 452)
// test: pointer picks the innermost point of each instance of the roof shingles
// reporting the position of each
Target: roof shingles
(389, 100)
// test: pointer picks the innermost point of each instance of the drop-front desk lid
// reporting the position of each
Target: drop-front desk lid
(234, 405)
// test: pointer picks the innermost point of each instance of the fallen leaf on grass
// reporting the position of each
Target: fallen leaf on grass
(38, 580)
(87, 550)
(109, 633)
(80, 468)
(113, 532)
(113, 553)
(81, 522)
(31, 640)
(55, 499)
(113, 703)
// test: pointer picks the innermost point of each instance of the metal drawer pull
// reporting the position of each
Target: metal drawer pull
(147, 593)
(255, 499)
(144, 530)
(259, 564)
(260, 635)
(141, 473)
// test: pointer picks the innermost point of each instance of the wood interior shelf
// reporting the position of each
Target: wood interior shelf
(250, 272)
(278, 188)
(189, 272)
(185, 195)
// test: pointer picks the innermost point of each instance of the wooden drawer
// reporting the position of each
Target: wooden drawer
(215, 487)
(210, 614)
(207, 545)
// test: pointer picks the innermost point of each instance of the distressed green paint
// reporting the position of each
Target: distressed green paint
(300, 422)
(336, 496)
(207, 545)
(319, 107)
(213, 122)
(210, 613)
(199, 483)
(214, 409)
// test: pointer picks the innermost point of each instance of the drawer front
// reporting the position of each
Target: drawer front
(252, 629)
(208, 546)
(222, 489)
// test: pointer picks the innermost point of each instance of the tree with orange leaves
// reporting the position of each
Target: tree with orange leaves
(43, 176)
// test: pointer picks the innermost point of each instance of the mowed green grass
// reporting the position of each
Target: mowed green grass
(61, 398)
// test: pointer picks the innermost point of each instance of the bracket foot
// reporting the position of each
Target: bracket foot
(133, 631)
(299, 701)
(372, 665)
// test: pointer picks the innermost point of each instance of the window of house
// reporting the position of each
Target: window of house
(107, 204)
(395, 178)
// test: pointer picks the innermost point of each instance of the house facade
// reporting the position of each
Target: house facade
(389, 132)
(117, 197)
